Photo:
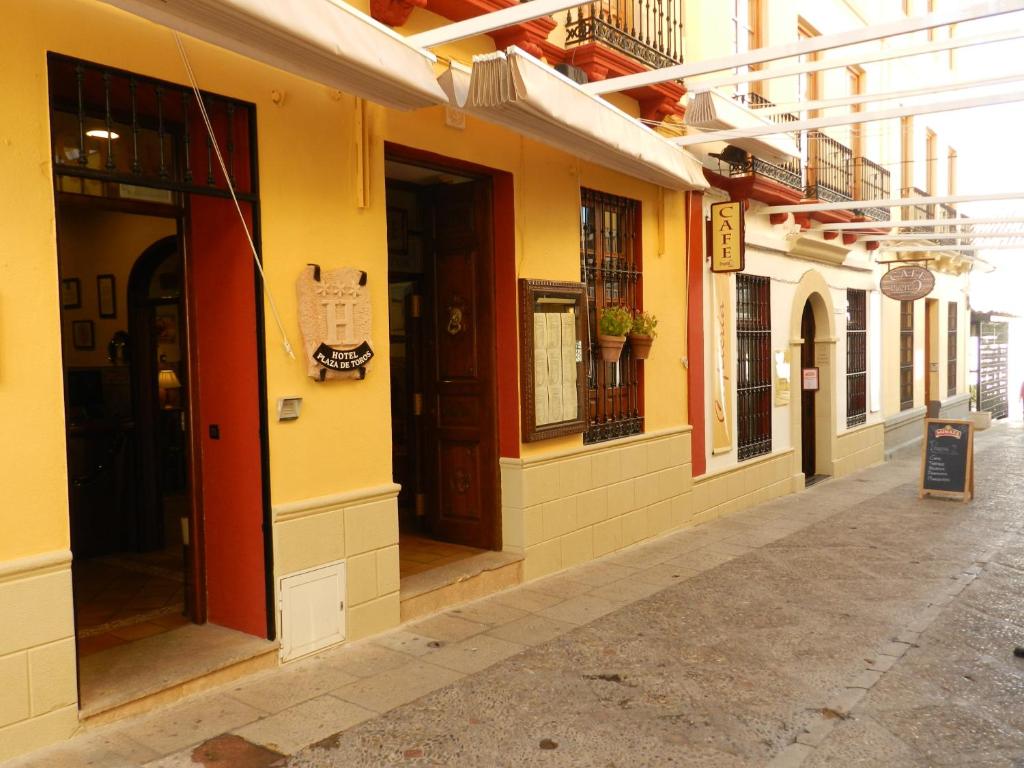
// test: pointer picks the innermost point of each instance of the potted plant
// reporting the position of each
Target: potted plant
(642, 333)
(612, 327)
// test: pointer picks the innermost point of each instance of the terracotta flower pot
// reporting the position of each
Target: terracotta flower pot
(641, 345)
(611, 347)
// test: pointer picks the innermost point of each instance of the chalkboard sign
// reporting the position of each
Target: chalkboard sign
(947, 459)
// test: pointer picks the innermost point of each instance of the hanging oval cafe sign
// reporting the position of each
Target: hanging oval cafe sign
(907, 283)
(334, 314)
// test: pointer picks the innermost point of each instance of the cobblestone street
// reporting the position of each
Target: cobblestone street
(850, 625)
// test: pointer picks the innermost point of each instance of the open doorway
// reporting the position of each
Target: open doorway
(808, 418)
(126, 417)
(162, 353)
(443, 364)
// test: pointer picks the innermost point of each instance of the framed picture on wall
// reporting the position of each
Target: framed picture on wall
(83, 334)
(70, 293)
(106, 298)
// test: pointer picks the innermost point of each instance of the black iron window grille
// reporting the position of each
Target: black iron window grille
(906, 355)
(951, 349)
(650, 31)
(610, 266)
(114, 132)
(753, 366)
(856, 357)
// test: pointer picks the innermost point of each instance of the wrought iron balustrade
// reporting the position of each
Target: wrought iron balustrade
(650, 31)
(829, 169)
(947, 211)
(920, 211)
(789, 173)
(871, 182)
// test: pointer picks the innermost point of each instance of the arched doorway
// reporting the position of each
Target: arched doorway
(813, 344)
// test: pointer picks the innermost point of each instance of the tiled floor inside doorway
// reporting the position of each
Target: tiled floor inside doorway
(417, 554)
(122, 598)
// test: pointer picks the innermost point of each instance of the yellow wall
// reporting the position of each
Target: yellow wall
(95, 242)
(309, 214)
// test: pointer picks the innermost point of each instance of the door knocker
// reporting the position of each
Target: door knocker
(455, 320)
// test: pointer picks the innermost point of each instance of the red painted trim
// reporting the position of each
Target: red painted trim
(505, 315)
(695, 328)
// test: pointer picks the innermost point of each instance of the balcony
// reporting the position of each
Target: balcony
(829, 169)
(790, 174)
(871, 182)
(919, 212)
(649, 31)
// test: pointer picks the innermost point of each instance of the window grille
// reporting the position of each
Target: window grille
(856, 357)
(610, 267)
(906, 355)
(113, 132)
(753, 366)
(951, 348)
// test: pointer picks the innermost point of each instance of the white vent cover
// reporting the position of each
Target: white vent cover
(312, 607)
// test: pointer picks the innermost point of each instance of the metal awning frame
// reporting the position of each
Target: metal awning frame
(808, 45)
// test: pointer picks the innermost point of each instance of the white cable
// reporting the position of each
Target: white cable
(231, 188)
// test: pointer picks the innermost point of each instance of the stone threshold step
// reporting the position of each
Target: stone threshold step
(446, 586)
(146, 674)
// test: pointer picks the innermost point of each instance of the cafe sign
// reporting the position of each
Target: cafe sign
(907, 283)
(726, 237)
(334, 314)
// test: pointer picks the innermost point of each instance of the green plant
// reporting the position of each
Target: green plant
(615, 321)
(644, 324)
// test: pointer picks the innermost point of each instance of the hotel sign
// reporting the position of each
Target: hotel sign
(726, 238)
(907, 283)
(334, 314)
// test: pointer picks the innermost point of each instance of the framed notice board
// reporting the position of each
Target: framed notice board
(552, 332)
(947, 459)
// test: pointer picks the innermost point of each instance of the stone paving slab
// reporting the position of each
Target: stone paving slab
(852, 624)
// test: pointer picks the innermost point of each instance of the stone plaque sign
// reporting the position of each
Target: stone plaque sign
(907, 283)
(334, 315)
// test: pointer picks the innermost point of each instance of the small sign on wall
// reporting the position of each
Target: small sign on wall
(727, 238)
(809, 379)
(334, 314)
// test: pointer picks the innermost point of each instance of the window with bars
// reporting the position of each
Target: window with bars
(753, 366)
(610, 266)
(906, 355)
(951, 347)
(856, 357)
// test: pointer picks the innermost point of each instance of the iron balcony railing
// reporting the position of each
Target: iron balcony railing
(918, 212)
(650, 31)
(829, 169)
(871, 182)
(791, 173)
(947, 211)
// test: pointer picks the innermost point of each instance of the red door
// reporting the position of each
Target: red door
(461, 363)
(226, 414)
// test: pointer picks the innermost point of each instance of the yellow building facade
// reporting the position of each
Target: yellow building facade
(170, 464)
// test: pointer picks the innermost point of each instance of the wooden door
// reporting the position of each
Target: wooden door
(462, 451)
(228, 472)
(807, 396)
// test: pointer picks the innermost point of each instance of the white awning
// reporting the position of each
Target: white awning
(711, 110)
(327, 41)
(513, 89)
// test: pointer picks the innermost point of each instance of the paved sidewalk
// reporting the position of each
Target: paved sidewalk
(850, 625)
